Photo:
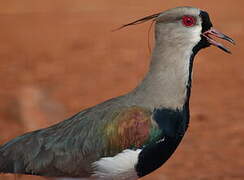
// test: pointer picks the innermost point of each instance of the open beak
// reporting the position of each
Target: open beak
(218, 34)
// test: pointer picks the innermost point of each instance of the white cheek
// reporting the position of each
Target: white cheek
(177, 35)
(195, 34)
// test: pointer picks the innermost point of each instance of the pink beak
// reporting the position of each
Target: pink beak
(218, 34)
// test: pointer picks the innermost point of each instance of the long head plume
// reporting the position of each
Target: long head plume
(140, 21)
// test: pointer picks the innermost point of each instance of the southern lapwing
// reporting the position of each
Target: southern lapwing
(132, 135)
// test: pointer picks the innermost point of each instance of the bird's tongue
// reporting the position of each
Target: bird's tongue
(218, 34)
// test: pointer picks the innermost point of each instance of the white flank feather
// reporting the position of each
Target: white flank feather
(119, 167)
(70, 178)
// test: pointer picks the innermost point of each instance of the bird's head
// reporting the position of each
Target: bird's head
(185, 27)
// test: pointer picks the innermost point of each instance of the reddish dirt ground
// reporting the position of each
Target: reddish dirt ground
(58, 57)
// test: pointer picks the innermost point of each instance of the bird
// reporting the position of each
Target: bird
(129, 136)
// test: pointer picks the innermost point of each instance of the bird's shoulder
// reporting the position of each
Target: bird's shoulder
(130, 128)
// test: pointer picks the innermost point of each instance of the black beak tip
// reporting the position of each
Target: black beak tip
(224, 49)
(232, 41)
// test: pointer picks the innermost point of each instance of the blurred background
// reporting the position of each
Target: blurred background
(58, 57)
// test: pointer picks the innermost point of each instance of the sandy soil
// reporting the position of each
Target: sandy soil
(58, 57)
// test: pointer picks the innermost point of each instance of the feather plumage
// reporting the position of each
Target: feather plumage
(78, 141)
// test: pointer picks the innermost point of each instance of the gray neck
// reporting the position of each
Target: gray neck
(165, 85)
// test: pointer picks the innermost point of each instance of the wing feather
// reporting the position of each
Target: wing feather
(70, 147)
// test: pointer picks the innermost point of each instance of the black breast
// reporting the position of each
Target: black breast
(173, 124)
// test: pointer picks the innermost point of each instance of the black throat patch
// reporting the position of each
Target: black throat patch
(206, 25)
(206, 22)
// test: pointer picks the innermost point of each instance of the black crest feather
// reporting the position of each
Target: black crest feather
(140, 21)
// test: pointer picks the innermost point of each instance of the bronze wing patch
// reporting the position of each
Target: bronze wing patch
(129, 128)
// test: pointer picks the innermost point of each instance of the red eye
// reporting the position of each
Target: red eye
(188, 21)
